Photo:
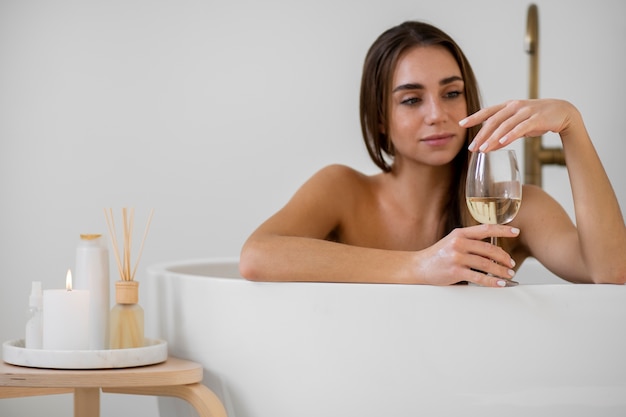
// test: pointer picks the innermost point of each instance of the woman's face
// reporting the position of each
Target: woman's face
(427, 102)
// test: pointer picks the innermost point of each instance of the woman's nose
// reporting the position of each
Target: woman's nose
(434, 111)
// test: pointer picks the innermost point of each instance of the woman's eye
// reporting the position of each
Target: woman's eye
(453, 94)
(411, 100)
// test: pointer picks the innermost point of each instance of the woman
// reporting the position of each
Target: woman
(409, 223)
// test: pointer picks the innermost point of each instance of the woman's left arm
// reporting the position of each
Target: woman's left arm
(601, 233)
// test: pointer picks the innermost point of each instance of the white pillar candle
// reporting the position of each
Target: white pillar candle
(66, 318)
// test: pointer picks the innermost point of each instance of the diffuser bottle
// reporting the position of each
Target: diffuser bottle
(34, 327)
(92, 273)
(127, 322)
(126, 319)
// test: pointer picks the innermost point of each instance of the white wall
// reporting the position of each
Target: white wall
(214, 112)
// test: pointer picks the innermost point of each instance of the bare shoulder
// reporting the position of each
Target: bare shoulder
(543, 222)
(533, 192)
(339, 178)
(321, 205)
(539, 209)
(338, 172)
(331, 188)
(535, 198)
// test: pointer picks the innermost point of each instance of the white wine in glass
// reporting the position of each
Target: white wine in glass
(494, 187)
(493, 210)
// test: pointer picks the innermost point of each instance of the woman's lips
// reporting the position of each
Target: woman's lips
(438, 140)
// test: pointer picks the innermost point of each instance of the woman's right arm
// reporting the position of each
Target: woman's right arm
(291, 245)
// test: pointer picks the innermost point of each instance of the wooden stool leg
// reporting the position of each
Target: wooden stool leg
(205, 402)
(87, 402)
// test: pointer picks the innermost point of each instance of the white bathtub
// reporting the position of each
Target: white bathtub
(362, 350)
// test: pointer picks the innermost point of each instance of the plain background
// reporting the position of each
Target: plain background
(214, 112)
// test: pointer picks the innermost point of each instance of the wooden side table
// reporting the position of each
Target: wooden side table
(173, 378)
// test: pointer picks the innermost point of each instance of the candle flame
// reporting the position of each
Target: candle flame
(68, 280)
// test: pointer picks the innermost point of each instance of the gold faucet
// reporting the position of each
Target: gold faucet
(535, 155)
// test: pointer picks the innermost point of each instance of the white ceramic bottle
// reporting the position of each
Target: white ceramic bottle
(92, 273)
(34, 325)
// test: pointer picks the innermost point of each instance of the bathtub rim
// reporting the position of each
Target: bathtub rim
(168, 267)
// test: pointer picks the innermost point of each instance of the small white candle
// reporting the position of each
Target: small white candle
(66, 318)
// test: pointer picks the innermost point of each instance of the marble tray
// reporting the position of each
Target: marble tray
(154, 351)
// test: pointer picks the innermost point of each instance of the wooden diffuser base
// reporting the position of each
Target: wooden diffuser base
(127, 320)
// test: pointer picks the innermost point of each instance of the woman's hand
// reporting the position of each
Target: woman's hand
(463, 256)
(593, 249)
(504, 123)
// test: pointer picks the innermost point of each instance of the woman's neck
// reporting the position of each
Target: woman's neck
(419, 195)
(421, 183)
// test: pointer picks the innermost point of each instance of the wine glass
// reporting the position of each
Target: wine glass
(494, 189)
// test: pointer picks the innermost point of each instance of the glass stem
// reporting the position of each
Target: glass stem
(494, 240)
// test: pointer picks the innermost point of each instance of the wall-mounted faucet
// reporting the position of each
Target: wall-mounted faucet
(535, 155)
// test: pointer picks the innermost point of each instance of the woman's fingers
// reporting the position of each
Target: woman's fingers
(465, 255)
(485, 280)
(507, 122)
(501, 125)
(484, 263)
(483, 231)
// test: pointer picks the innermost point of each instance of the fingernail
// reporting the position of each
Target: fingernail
(502, 283)
(463, 122)
(515, 230)
(512, 262)
(483, 147)
(511, 273)
(472, 146)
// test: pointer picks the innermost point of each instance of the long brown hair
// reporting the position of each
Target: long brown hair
(380, 63)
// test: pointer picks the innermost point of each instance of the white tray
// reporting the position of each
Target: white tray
(154, 351)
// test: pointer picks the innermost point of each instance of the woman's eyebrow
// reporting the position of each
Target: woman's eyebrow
(418, 86)
(449, 80)
(408, 86)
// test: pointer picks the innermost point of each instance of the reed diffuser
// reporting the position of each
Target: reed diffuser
(127, 319)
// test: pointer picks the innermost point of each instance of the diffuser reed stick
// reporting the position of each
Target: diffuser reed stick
(128, 219)
(127, 321)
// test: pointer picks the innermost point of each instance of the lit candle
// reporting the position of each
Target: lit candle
(66, 318)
